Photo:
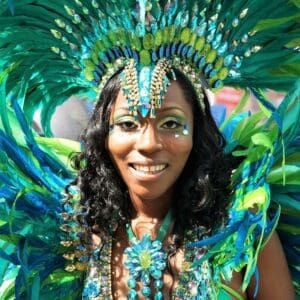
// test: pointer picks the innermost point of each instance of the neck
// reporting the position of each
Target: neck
(150, 209)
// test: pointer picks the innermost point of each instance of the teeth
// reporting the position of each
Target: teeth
(155, 168)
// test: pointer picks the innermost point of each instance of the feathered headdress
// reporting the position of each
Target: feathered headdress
(51, 50)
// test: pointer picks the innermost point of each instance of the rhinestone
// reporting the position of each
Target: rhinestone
(235, 22)
(244, 13)
(245, 38)
(255, 49)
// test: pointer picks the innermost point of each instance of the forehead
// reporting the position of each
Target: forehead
(174, 97)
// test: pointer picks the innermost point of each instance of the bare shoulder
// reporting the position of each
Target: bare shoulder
(274, 278)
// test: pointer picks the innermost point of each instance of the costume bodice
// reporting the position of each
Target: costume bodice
(194, 283)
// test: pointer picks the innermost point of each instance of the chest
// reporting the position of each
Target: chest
(107, 277)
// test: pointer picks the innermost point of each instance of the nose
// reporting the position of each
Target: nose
(149, 140)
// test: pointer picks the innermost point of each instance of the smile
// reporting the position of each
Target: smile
(149, 169)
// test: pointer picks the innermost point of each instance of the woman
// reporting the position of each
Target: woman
(139, 170)
(148, 172)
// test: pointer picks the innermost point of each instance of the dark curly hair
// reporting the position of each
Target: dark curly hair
(202, 191)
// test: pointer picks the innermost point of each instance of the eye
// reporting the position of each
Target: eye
(171, 124)
(127, 125)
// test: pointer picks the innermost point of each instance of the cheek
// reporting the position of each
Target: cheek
(118, 146)
(180, 147)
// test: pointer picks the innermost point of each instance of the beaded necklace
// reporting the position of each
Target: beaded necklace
(194, 283)
(146, 261)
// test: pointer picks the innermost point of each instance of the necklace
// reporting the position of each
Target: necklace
(146, 261)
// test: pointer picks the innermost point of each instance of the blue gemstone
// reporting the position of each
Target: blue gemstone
(212, 73)
(143, 110)
(173, 48)
(129, 51)
(168, 51)
(196, 56)
(239, 63)
(146, 291)
(131, 283)
(217, 83)
(145, 278)
(153, 56)
(158, 284)
(190, 52)
(223, 48)
(201, 29)
(201, 62)
(185, 50)
(161, 51)
(179, 48)
(111, 54)
(132, 295)
(207, 68)
(228, 60)
(136, 56)
(99, 71)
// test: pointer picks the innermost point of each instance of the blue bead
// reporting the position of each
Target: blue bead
(168, 51)
(196, 56)
(179, 48)
(110, 55)
(158, 296)
(173, 48)
(212, 73)
(207, 68)
(222, 48)
(135, 56)
(146, 291)
(145, 278)
(228, 60)
(190, 52)
(99, 71)
(201, 62)
(185, 50)
(161, 51)
(153, 56)
(131, 283)
(158, 284)
(132, 295)
(217, 83)
(129, 51)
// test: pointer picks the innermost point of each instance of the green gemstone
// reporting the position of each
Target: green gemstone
(145, 259)
(165, 35)
(199, 43)
(145, 58)
(185, 35)
(158, 38)
(113, 37)
(135, 42)
(211, 56)
(171, 33)
(148, 41)
(193, 39)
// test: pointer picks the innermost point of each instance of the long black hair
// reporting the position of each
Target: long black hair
(202, 191)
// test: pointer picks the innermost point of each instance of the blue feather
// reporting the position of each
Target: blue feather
(11, 6)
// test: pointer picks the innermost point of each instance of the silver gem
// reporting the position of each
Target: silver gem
(244, 13)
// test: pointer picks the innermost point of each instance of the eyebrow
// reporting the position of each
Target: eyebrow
(124, 108)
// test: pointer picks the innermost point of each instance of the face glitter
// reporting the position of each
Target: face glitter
(185, 130)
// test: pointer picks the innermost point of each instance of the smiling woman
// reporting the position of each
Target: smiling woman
(148, 183)
(160, 205)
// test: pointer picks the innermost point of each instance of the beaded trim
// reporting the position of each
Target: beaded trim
(193, 283)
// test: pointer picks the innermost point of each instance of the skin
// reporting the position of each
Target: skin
(149, 142)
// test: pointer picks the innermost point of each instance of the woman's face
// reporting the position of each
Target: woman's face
(151, 153)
